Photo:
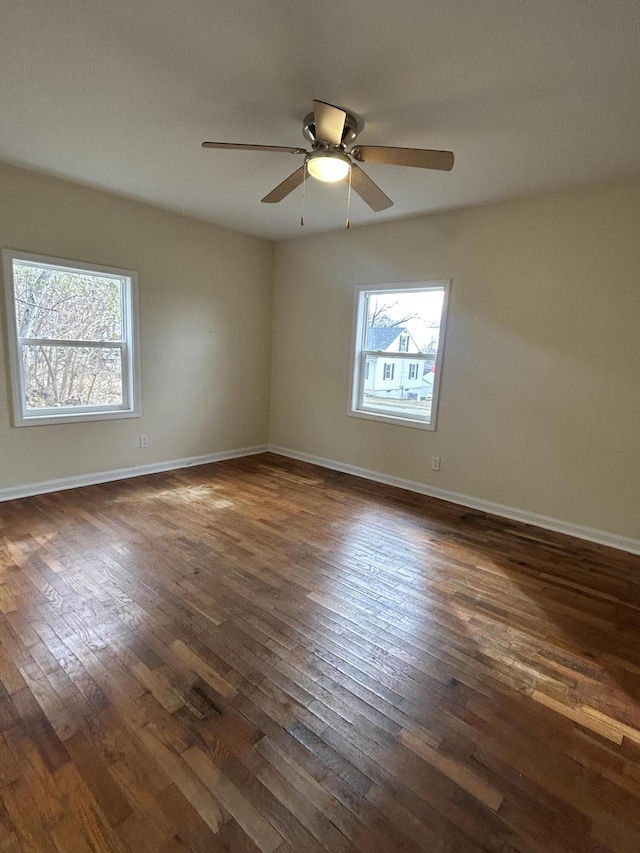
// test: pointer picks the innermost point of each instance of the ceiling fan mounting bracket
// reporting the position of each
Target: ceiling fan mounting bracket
(352, 127)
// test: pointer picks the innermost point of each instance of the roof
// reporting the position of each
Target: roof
(380, 337)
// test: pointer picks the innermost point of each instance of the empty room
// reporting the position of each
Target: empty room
(319, 426)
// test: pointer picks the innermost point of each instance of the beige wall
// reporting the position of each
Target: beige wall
(540, 393)
(205, 309)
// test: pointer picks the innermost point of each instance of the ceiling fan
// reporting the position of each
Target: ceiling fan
(330, 130)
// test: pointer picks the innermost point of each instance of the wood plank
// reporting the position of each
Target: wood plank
(248, 817)
(203, 669)
(261, 655)
(454, 770)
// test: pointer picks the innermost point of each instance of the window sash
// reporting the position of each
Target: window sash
(54, 411)
(60, 342)
(362, 379)
(364, 354)
(409, 356)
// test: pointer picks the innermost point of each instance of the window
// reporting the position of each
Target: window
(72, 340)
(391, 319)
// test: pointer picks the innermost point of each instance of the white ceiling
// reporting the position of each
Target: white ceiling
(530, 95)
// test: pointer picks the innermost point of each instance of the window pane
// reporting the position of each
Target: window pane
(397, 386)
(398, 321)
(63, 376)
(58, 304)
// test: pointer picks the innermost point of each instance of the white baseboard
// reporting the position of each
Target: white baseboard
(591, 534)
(30, 489)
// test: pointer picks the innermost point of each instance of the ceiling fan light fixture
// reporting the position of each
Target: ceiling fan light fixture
(328, 166)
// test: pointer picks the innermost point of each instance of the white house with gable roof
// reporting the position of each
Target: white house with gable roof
(397, 377)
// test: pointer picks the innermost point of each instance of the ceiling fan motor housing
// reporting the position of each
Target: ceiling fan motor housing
(352, 127)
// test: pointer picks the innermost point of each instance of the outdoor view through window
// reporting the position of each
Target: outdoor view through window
(72, 341)
(62, 305)
(397, 358)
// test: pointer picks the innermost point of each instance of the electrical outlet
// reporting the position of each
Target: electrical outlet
(435, 463)
(144, 441)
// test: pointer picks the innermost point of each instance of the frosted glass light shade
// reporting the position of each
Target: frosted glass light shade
(328, 166)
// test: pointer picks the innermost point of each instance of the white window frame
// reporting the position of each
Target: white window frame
(359, 354)
(128, 346)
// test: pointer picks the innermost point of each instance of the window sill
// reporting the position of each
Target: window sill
(391, 419)
(74, 417)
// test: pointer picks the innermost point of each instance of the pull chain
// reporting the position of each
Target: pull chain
(304, 187)
(348, 224)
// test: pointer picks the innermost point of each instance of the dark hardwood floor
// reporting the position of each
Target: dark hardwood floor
(264, 655)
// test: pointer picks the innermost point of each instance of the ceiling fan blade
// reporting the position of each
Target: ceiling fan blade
(287, 186)
(242, 147)
(368, 191)
(329, 122)
(422, 158)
